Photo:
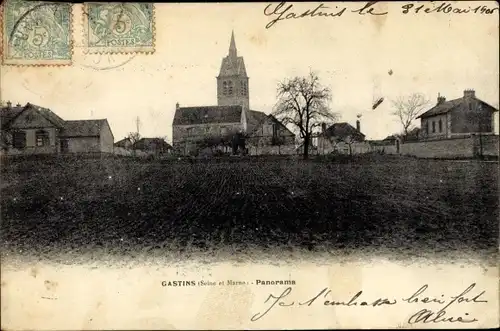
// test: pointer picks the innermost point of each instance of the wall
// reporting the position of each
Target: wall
(272, 150)
(452, 148)
(263, 136)
(426, 126)
(325, 146)
(464, 120)
(196, 131)
(32, 148)
(122, 151)
(184, 141)
(107, 139)
(459, 147)
(488, 145)
(84, 144)
(238, 97)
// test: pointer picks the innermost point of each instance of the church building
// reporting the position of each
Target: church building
(232, 113)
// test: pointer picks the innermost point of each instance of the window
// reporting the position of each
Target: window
(224, 88)
(42, 138)
(275, 130)
(19, 139)
(440, 126)
(428, 127)
(243, 88)
(470, 105)
(230, 88)
(433, 126)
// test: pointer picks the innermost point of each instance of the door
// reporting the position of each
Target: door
(64, 146)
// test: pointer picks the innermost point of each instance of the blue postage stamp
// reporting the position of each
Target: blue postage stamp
(119, 27)
(36, 33)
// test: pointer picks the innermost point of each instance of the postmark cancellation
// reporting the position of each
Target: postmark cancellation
(36, 33)
(118, 27)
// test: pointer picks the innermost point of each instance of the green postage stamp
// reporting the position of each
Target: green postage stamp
(119, 27)
(36, 33)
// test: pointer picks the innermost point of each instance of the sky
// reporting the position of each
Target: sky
(352, 54)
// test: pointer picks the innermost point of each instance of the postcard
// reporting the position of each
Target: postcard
(268, 165)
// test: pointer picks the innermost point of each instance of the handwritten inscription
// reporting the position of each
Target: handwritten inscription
(446, 8)
(360, 299)
(284, 11)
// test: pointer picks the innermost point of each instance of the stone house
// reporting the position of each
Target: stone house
(154, 146)
(461, 116)
(31, 129)
(125, 143)
(341, 138)
(269, 136)
(231, 115)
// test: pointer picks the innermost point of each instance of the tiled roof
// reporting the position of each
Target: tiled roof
(49, 115)
(442, 108)
(83, 128)
(8, 114)
(207, 114)
(447, 106)
(152, 143)
(255, 119)
(123, 142)
(342, 130)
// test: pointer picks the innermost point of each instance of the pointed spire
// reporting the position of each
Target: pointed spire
(232, 47)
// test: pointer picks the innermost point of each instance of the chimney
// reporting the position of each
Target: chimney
(469, 93)
(440, 99)
(9, 104)
(176, 106)
(358, 125)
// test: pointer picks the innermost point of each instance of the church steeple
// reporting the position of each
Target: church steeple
(232, 82)
(233, 53)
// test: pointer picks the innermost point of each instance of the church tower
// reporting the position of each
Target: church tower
(232, 82)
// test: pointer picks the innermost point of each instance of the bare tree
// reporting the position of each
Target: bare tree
(349, 140)
(134, 137)
(303, 103)
(408, 108)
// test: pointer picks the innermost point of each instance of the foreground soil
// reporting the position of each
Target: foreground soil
(126, 205)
